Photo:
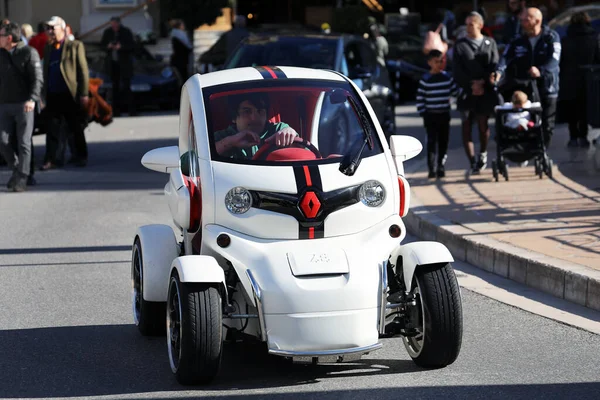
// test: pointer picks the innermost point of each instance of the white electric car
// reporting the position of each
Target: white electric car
(295, 242)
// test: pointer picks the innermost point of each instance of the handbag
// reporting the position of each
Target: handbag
(433, 41)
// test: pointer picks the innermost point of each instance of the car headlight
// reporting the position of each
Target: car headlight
(238, 200)
(167, 72)
(371, 193)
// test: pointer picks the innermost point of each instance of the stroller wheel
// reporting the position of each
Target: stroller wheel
(495, 170)
(549, 168)
(505, 172)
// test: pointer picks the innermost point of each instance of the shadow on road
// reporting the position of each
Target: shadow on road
(102, 360)
(111, 360)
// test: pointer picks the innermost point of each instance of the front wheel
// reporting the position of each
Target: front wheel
(439, 331)
(194, 331)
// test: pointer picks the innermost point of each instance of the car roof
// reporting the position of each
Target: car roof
(262, 73)
(277, 36)
(572, 10)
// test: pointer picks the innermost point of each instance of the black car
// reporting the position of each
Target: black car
(407, 64)
(154, 83)
(350, 55)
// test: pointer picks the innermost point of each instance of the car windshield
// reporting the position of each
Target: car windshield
(309, 52)
(287, 121)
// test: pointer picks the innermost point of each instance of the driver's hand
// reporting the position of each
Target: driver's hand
(283, 138)
(245, 139)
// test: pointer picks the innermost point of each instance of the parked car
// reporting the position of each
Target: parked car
(562, 21)
(349, 55)
(298, 247)
(406, 64)
(154, 83)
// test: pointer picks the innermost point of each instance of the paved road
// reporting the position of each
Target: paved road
(66, 327)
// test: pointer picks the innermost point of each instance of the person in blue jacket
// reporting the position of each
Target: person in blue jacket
(535, 56)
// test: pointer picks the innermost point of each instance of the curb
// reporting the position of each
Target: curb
(569, 281)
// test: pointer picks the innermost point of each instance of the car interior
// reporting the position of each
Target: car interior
(310, 111)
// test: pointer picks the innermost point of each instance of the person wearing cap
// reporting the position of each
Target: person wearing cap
(20, 87)
(119, 44)
(66, 90)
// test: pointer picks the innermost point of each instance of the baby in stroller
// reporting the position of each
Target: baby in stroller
(519, 134)
(520, 119)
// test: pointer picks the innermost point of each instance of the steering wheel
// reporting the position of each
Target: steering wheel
(269, 147)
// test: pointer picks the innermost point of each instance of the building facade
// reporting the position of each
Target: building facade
(83, 15)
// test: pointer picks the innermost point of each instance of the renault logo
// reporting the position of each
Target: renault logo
(310, 205)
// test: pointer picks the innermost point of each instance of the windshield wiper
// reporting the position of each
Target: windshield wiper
(351, 161)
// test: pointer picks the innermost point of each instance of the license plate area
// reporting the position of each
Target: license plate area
(330, 261)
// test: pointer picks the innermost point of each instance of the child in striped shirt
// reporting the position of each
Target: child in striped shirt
(433, 104)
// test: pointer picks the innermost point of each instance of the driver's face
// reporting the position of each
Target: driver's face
(250, 118)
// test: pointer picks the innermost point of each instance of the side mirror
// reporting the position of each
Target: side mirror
(178, 197)
(404, 148)
(163, 159)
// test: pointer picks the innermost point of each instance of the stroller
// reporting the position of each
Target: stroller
(521, 145)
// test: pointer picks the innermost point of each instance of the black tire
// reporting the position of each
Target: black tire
(439, 341)
(148, 316)
(495, 170)
(195, 337)
(550, 165)
(505, 173)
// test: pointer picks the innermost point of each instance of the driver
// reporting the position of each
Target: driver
(249, 127)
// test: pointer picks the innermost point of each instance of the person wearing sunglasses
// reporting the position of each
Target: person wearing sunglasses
(20, 87)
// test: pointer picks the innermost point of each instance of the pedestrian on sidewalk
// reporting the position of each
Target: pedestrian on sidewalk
(40, 39)
(433, 103)
(20, 87)
(535, 56)
(119, 44)
(66, 90)
(580, 47)
(182, 50)
(474, 65)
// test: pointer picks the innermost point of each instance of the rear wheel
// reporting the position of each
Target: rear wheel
(194, 331)
(148, 316)
(439, 338)
(505, 171)
(549, 171)
(495, 170)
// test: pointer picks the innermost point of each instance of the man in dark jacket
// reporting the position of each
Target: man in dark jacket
(474, 64)
(580, 47)
(20, 87)
(119, 43)
(512, 25)
(535, 57)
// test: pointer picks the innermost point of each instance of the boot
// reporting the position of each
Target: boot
(430, 165)
(441, 170)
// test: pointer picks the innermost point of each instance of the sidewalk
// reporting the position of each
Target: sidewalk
(540, 232)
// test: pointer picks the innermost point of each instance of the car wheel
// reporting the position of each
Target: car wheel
(439, 331)
(194, 331)
(147, 315)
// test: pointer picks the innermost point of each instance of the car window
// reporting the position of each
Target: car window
(243, 121)
(296, 52)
